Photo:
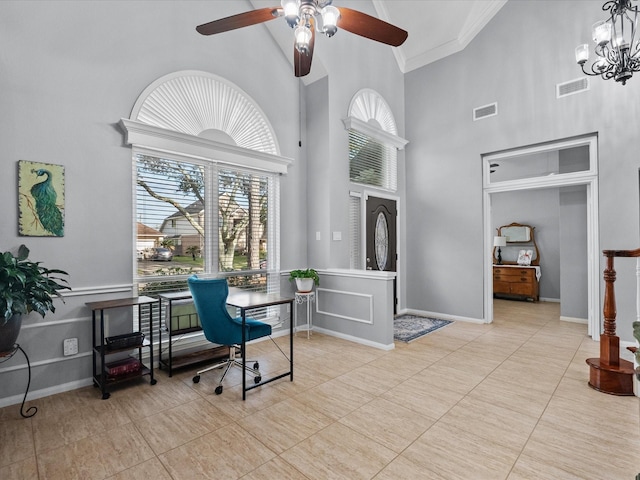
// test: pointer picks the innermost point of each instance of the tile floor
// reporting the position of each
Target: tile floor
(503, 401)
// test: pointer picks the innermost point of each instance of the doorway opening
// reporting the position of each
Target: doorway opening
(540, 169)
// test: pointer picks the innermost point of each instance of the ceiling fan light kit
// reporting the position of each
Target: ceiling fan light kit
(307, 16)
(617, 46)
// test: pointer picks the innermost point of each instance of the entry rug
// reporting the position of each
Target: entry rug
(407, 328)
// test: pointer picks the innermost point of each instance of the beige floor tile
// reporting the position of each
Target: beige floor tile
(151, 469)
(496, 424)
(451, 452)
(26, 469)
(466, 401)
(275, 469)
(389, 424)
(228, 453)
(337, 452)
(16, 440)
(284, 424)
(370, 379)
(335, 399)
(67, 427)
(585, 456)
(402, 468)
(425, 400)
(179, 425)
(142, 399)
(517, 397)
(96, 457)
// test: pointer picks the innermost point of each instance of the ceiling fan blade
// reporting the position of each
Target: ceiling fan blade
(302, 62)
(370, 27)
(238, 21)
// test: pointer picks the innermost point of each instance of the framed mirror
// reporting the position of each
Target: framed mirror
(516, 233)
(520, 248)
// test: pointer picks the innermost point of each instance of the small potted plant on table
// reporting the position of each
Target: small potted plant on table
(305, 279)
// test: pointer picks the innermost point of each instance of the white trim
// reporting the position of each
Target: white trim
(588, 178)
(352, 123)
(99, 290)
(443, 316)
(42, 363)
(174, 143)
(350, 338)
(367, 274)
(584, 321)
(343, 292)
(55, 323)
(46, 392)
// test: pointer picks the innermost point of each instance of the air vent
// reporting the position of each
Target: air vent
(572, 87)
(484, 112)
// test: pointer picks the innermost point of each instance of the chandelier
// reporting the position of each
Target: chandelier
(617, 47)
(300, 14)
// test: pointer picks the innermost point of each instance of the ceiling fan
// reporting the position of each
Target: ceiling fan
(306, 17)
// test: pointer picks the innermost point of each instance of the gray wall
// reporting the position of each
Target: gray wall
(573, 253)
(517, 60)
(67, 83)
(540, 209)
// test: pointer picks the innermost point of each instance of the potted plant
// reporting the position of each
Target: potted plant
(25, 286)
(305, 279)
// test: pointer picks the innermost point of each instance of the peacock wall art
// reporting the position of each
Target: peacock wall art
(41, 199)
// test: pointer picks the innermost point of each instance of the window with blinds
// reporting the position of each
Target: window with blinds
(371, 162)
(200, 217)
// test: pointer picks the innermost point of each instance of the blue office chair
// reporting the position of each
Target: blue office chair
(209, 297)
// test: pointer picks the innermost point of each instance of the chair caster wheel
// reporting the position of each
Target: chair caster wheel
(256, 366)
(257, 379)
(196, 379)
(106, 395)
(218, 389)
(153, 382)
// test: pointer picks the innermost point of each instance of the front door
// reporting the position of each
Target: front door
(381, 237)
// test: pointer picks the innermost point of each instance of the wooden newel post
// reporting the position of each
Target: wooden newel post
(610, 373)
(609, 342)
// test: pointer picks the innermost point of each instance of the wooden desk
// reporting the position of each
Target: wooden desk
(247, 301)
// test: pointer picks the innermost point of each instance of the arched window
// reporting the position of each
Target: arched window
(373, 141)
(206, 170)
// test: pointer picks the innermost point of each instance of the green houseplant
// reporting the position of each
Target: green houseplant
(305, 279)
(25, 286)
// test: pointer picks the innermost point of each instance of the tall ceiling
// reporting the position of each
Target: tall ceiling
(437, 28)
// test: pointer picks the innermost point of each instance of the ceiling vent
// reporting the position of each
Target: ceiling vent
(487, 111)
(572, 87)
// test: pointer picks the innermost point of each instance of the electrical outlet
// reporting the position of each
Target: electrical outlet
(70, 346)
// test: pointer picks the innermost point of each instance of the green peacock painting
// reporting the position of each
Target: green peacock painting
(41, 191)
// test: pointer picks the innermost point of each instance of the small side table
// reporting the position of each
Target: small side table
(308, 298)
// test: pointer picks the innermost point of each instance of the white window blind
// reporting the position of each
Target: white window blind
(372, 162)
(355, 238)
(175, 199)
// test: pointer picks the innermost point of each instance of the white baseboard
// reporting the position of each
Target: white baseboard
(443, 316)
(45, 392)
(353, 339)
(574, 320)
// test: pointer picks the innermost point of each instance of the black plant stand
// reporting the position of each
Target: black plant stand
(6, 357)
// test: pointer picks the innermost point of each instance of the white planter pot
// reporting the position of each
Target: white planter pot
(304, 285)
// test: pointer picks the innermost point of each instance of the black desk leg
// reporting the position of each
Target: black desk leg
(291, 340)
(244, 354)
